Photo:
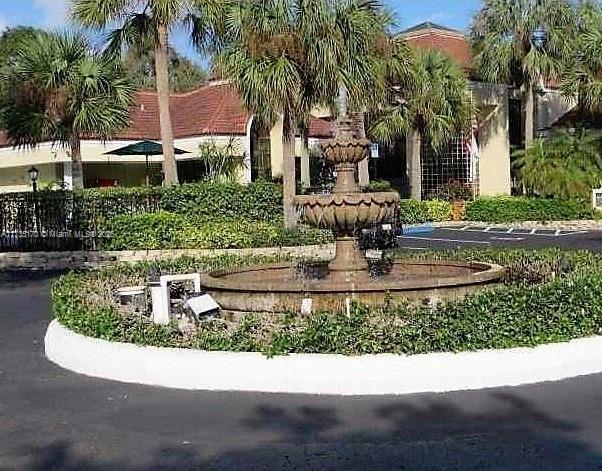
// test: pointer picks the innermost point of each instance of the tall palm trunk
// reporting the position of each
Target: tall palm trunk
(170, 168)
(305, 160)
(416, 165)
(289, 183)
(529, 100)
(363, 168)
(77, 171)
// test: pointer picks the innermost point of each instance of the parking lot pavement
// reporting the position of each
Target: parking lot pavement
(484, 236)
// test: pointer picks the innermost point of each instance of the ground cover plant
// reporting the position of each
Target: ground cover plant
(547, 296)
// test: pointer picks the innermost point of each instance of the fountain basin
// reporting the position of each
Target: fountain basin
(280, 288)
(343, 212)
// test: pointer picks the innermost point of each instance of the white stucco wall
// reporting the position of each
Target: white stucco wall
(47, 158)
(16, 179)
(494, 140)
(551, 106)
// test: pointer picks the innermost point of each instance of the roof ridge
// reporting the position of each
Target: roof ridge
(430, 27)
(187, 93)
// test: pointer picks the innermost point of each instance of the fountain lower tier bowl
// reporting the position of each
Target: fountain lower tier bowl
(343, 212)
(281, 288)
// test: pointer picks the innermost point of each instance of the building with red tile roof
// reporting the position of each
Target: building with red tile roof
(215, 112)
(432, 36)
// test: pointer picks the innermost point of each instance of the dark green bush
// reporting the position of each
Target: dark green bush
(162, 230)
(259, 201)
(416, 212)
(377, 186)
(510, 209)
(565, 303)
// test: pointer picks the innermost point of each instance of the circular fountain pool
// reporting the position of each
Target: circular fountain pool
(282, 287)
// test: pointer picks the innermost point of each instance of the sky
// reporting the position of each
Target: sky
(53, 14)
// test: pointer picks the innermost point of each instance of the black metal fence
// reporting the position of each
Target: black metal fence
(63, 220)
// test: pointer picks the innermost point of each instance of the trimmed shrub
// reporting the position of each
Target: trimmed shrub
(416, 212)
(510, 209)
(377, 186)
(163, 230)
(259, 201)
(438, 210)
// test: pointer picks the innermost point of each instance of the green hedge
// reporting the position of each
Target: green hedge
(259, 201)
(512, 209)
(565, 304)
(163, 230)
(416, 212)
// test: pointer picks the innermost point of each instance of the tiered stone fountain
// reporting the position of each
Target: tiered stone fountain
(280, 288)
(347, 209)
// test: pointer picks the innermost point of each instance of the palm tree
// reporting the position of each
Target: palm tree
(567, 165)
(62, 92)
(428, 98)
(287, 56)
(523, 43)
(583, 74)
(150, 22)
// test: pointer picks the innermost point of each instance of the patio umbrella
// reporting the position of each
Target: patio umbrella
(146, 148)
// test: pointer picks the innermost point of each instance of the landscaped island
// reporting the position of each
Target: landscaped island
(547, 296)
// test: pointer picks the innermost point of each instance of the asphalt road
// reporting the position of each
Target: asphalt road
(51, 419)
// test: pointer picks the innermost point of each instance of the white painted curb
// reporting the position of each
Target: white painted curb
(321, 374)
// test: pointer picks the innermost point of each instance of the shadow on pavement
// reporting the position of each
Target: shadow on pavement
(430, 435)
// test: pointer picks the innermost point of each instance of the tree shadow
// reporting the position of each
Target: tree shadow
(495, 430)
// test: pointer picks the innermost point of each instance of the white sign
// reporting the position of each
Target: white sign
(202, 305)
(597, 199)
(374, 151)
(374, 254)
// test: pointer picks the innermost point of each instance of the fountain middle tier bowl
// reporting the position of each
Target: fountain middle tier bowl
(344, 212)
(280, 288)
(345, 150)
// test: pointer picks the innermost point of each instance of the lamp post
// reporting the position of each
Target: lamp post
(33, 176)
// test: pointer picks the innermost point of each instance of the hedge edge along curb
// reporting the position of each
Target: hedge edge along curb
(321, 374)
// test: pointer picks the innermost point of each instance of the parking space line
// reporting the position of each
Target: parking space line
(514, 230)
(481, 242)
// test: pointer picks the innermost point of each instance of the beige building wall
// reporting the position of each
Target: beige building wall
(16, 179)
(551, 106)
(53, 161)
(494, 140)
(277, 148)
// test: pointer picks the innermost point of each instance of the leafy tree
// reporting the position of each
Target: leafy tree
(567, 165)
(143, 24)
(60, 91)
(428, 98)
(184, 75)
(12, 40)
(287, 56)
(523, 43)
(583, 75)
